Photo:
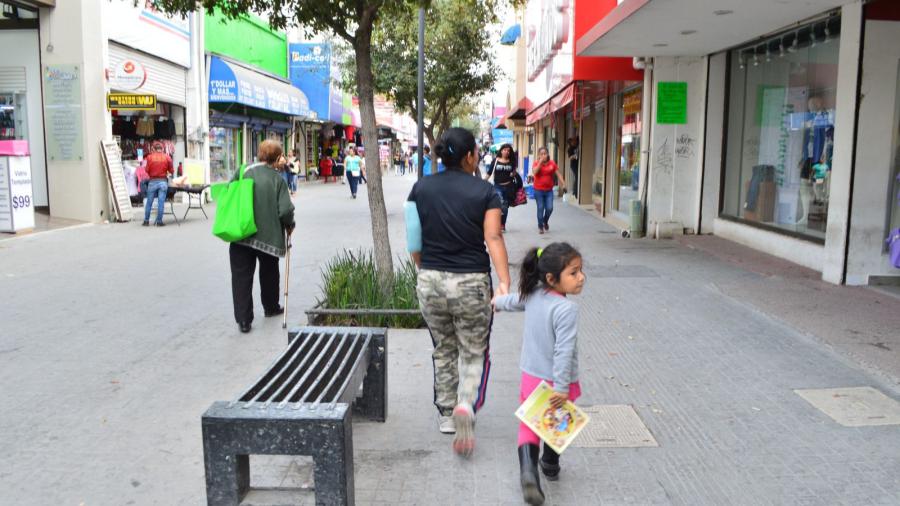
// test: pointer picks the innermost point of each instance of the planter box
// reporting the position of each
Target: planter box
(320, 315)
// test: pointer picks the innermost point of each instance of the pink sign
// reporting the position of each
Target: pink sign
(14, 148)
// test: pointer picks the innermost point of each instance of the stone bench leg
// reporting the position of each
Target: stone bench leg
(373, 404)
(230, 435)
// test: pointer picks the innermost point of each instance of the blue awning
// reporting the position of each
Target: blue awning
(230, 82)
(511, 35)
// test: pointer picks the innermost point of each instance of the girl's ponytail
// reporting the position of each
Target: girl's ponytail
(538, 263)
(530, 275)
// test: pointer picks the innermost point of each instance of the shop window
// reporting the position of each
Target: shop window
(223, 153)
(628, 147)
(13, 117)
(781, 130)
(599, 158)
(893, 218)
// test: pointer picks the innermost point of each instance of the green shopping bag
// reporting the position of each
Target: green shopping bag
(234, 212)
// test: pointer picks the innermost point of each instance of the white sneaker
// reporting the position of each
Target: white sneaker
(447, 425)
(464, 421)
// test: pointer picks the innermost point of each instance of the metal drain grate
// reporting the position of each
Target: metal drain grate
(854, 407)
(620, 271)
(614, 426)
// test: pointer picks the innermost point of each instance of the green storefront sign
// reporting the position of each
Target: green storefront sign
(671, 106)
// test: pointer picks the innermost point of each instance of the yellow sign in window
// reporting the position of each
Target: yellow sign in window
(130, 102)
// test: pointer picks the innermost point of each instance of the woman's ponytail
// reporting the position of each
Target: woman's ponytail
(530, 275)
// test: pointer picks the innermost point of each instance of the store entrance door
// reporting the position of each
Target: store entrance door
(21, 115)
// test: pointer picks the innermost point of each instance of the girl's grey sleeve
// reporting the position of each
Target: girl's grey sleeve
(565, 326)
(509, 302)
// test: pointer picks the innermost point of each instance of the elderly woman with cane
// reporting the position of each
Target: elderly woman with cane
(274, 216)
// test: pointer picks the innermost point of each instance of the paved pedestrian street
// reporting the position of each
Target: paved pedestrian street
(116, 338)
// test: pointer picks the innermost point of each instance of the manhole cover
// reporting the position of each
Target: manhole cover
(854, 407)
(620, 271)
(614, 426)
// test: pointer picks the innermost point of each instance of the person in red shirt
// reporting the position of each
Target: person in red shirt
(159, 167)
(542, 176)
(325, 166)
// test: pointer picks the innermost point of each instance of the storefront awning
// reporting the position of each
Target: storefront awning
(691, 27)
(511, 35)
(517, 112)
(230, 82)
(557, 102)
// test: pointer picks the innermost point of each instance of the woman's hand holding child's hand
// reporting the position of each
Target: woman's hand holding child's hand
(557, 400)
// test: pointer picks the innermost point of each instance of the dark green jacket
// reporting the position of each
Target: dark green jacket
(272, 209)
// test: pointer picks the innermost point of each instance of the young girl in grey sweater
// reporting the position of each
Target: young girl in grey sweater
(549, 346)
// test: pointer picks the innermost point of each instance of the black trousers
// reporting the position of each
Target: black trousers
(243, 265)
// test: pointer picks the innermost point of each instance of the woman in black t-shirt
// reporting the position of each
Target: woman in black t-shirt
(458, 215)
(503, 170)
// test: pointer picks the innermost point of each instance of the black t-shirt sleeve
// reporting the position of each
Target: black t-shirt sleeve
(492, 200)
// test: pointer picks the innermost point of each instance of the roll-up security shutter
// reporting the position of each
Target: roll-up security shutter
(167, 80)
(12, 79)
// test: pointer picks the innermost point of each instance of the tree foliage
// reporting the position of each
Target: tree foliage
(354, 22)
(459, 61)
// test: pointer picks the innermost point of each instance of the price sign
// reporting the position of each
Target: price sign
(16, 200)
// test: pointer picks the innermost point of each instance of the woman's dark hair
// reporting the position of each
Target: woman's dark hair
(504, 146)
(553, 259)
(454, 145)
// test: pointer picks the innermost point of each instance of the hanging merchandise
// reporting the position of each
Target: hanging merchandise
(893, 239)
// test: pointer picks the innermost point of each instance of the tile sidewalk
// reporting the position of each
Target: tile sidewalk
(118, 338)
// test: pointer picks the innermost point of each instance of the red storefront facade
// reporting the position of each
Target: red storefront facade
(576, 97)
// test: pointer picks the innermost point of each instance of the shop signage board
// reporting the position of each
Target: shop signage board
(115, 176)
(310, 70)
(139, 25)
(131, 102)
(16, 201)
(129, 75)
(62, 112)
(671, 103)
(230, 82)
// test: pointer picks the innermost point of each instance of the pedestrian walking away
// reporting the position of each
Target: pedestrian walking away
(159, 168)
(543, 174)
(354, 169)
(451, 216)
(549, 347)
(273, 213)
(503, 171)
(284, 167)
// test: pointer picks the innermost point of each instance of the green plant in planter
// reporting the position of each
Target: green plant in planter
(349, 281)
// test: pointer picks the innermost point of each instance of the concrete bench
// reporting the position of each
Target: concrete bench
(301, 405)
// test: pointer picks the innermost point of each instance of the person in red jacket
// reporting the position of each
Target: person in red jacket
(159, 168)
(542, 176)
(325, 166)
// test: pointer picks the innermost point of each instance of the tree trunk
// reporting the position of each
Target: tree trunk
(365, 88)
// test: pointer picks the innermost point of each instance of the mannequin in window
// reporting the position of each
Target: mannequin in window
(815, 162)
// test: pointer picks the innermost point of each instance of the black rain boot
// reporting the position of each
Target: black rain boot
(550, 463)
(529, 478)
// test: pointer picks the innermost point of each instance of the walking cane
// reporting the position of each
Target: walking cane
(287, 278)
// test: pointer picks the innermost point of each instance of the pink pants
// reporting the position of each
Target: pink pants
(529, 383)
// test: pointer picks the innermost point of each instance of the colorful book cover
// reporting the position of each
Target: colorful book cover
(556, 427)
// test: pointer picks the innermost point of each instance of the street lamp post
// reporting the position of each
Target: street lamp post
(420, 102)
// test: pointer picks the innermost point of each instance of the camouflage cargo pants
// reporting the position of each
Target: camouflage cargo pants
(457, 309)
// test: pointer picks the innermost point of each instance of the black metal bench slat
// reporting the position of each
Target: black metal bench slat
(288, 376)
(309, 370)
(302, 351)
(344, 349)
(356, 348)
(355, 372)
(320, 373)
(270, 371)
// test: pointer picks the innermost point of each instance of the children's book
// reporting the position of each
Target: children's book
(556, 427)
